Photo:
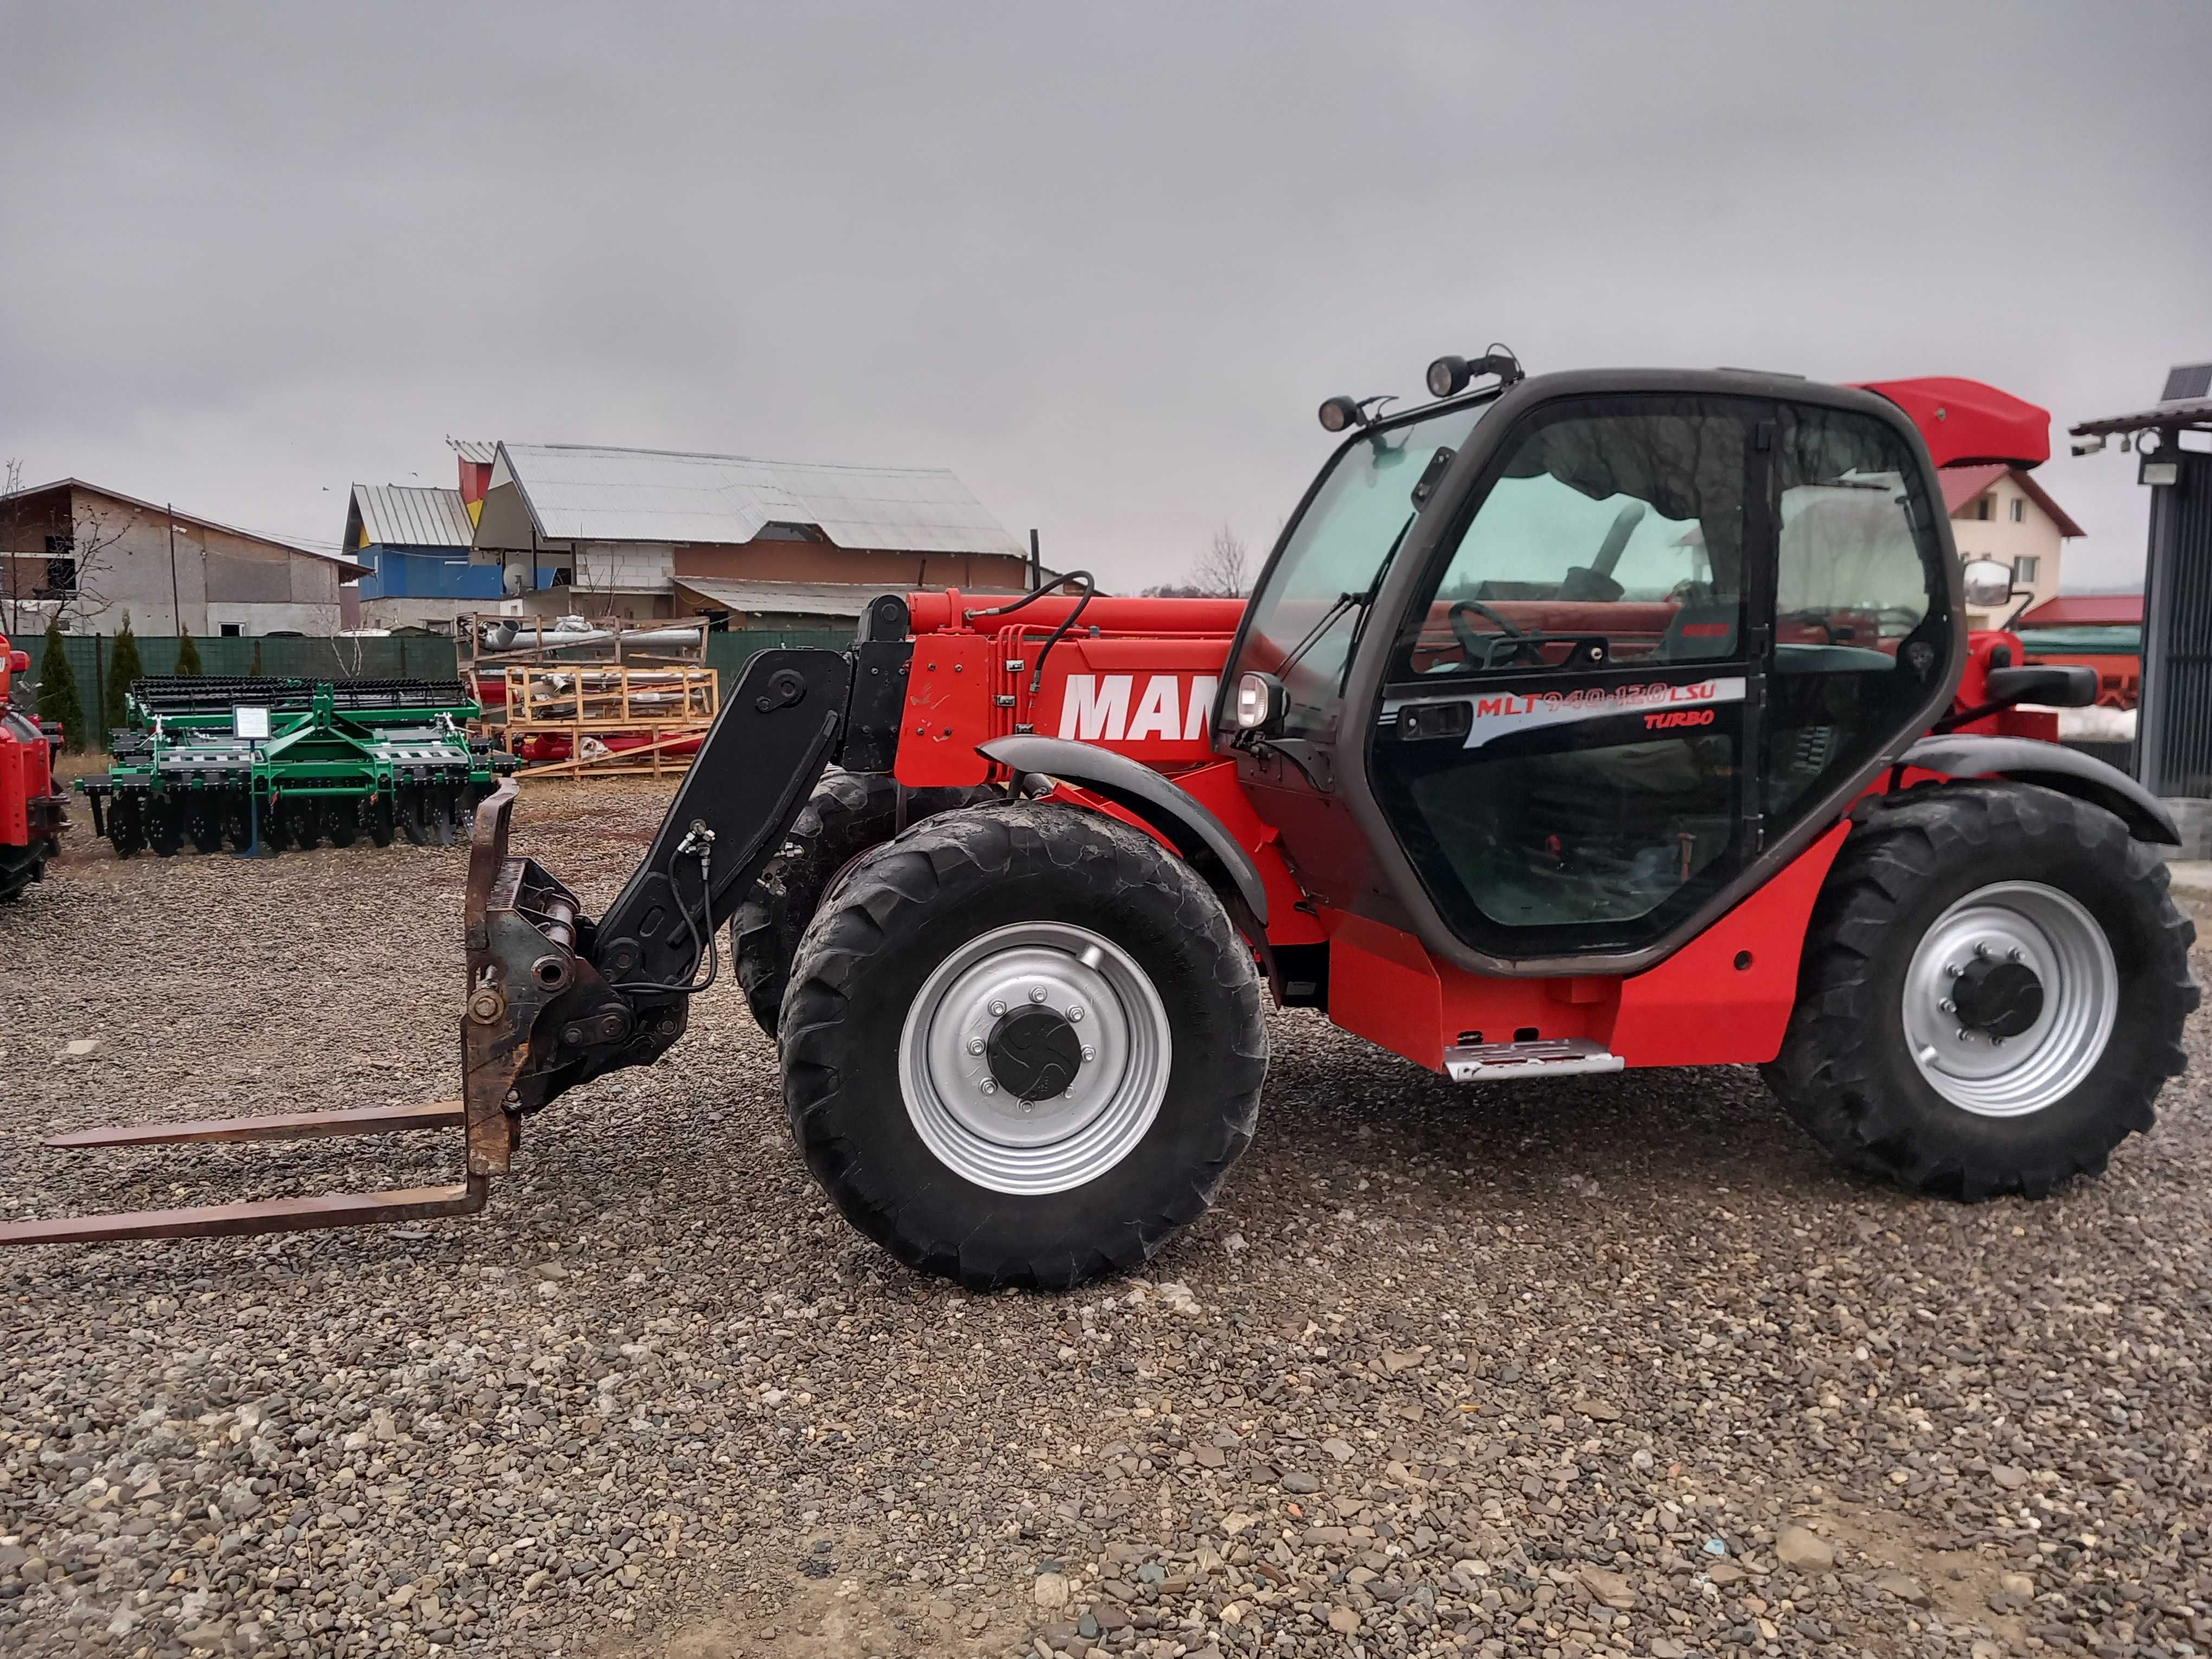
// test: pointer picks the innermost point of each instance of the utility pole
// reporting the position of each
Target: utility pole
(1036, 563)
(176, 605)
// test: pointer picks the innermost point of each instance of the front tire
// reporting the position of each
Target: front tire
(1992, 992)
(979, 1131)
(847, 813)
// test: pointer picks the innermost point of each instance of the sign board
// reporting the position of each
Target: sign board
(248, 721)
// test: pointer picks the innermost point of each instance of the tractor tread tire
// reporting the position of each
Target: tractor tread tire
(1844, 1073)
(847, 813)
(895, 916)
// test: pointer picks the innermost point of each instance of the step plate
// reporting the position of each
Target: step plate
(1491, 1063)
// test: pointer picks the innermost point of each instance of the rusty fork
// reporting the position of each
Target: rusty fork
(495, 1042)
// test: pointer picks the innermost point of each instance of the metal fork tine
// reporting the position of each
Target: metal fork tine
(295, 1126)
(280, 1215)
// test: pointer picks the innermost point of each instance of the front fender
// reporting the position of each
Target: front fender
(1187, 825)
(1971, 754)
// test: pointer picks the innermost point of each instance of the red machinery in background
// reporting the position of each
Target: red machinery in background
(31, 817)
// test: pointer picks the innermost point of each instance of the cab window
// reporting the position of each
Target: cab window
(1314, 597)
(1862, 619)
(1559, 746)
(1612, 535)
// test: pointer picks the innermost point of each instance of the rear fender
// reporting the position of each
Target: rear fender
(1968, 755)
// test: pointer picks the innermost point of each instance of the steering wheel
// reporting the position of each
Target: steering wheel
(1478, 647)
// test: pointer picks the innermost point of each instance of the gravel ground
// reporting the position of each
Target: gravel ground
(1609, 1365)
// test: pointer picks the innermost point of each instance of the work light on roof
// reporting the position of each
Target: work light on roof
(1449, 376)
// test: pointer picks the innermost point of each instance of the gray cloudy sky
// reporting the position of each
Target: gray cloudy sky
(1101, 260)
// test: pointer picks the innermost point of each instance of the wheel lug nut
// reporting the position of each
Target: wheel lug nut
(1963, 1034)
(1027, 1107)
(1037, 994)
(2015, 954)
(1090, 1054)
(1952, 970)
(1947, 1006)
(997, 1009)
(1997, 1042)
(1075, 1012)
(974, 1045)
(1981, 951)
(989, 1085)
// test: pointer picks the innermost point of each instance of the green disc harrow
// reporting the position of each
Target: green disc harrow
(342, 759)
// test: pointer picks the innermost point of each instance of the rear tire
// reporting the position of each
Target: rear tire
(848, 813)
(1892, 1064)
(22, 866)
(931, 945)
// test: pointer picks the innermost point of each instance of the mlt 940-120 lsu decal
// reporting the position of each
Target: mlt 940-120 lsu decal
(1663, 707)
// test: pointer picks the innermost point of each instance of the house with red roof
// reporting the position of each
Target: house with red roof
(2000, 513)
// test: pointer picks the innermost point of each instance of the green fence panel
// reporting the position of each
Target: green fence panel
(394, 656)
(728, 653)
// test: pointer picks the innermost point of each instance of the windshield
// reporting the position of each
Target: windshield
(1309, 609)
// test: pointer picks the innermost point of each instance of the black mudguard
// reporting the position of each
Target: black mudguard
(1971, 754)
(1204, 842)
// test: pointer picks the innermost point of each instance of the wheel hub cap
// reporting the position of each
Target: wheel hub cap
(1034, 1053)
(1034, 1058)
(2010, 999)
(1997, 998)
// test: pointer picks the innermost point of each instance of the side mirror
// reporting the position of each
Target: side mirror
(1261, 703)
(2053, 685)
(1988, 583)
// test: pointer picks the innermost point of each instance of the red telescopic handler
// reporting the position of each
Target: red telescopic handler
(31, 816)
(1577, 722)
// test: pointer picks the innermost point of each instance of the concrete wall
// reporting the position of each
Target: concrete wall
(404, 610)
(125, 569)
(2036, 535)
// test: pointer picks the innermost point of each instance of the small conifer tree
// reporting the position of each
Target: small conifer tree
(188, 656)
(57, 699)
(124, 671)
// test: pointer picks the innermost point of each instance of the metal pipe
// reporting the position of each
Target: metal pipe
(176, 604)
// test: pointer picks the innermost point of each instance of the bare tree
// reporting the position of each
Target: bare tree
(1221, 569)
(63, 581)
(75, 572)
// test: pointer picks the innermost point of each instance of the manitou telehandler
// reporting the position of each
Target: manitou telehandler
(1578, 722)
(31, 811)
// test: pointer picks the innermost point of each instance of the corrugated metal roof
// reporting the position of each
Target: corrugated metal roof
(2079, 610)
(404, 515)
(577, 492)
(473, 449)
(781, 598)
(792, 599)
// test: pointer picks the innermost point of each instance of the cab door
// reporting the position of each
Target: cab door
(1562, 744)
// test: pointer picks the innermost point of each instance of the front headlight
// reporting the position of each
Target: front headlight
(1259, 701)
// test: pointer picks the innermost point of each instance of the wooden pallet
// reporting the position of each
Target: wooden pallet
(668, 705)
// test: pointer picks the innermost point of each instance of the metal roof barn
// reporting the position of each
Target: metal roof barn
(402, 515)
(545, 494)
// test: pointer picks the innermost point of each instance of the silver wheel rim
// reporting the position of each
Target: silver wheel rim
(982, 1132)
(2050, 932)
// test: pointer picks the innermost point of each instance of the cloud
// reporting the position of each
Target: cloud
(1101, 262)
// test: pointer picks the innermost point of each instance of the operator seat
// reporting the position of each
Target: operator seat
(1700, 632)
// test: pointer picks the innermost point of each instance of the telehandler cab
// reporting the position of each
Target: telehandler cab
(1579, 721)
